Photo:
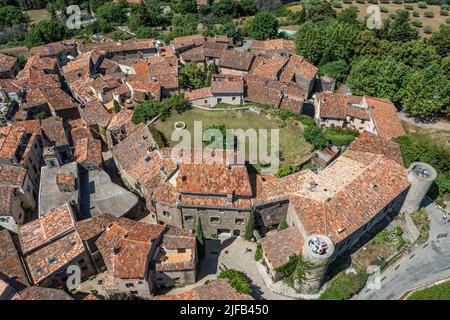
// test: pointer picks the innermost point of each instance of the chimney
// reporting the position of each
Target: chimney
(66, 182)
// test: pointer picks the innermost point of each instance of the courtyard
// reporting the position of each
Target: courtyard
(293, 147)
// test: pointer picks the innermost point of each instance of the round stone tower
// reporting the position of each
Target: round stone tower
(316, 254)
(421, 176)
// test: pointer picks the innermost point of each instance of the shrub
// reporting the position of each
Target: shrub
(361, 1)
(344, 286)
(286, 170)
(443, 13)
(429, 14)
(409, 7)
(422, 5)
(447, 21)
(385, 1)
(428, 29)
(336, 4)
(397, 1)
(283, 225)
(348, 1)
(258, 253)
(416, 14)
(237, 280)
(417, 23)
(158, 136)
(372, 1)
(384, 9)
(393, 15)
(445, 7)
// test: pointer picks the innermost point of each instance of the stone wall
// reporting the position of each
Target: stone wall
(233, 220)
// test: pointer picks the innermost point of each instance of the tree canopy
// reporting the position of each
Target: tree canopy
(263, 26)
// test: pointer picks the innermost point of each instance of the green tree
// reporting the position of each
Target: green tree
(335, 69)
(400, 28)
(192, 76)
(186, 6)
(441, 40)
(314, 135)
(378, 78)
(247, 7)
(445, 64)
(146, 33)
(111, 14)
(348, 15)
(237, 280)
(200, 239)
(11, 16)
(250, 227)
(318, 12)
(325, 41)
(263, 26)
(185, 24)
(44, 32)
(178, 102)
(145, 111)
(229, 29)
(427, 92)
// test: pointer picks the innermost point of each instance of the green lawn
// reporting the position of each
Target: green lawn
(438, 292)
(293, 148)
(38, 15)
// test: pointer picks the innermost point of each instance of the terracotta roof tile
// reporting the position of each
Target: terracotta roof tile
(279, 246)
(369, 142)
(215, 290)
(384, 114)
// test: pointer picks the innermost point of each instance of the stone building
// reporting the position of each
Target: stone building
(375, 115)
(224, 89)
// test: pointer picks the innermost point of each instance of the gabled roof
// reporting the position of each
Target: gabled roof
(126, 246)
(51, 226)
(369, 142)
(235, 60)
(384, 115)
(10, 265)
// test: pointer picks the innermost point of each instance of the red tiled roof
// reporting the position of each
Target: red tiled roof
(227, 84)
(235, 60)
(369, 142)
(384, 114)
(50, 226)
(126, 245)
(7, 63)
(10, 264)
(41, 293)
(218, 179)
(95, 226)
(94, 113)
(297, 65)
(196, 94)
(215, 290)
(340, 105)
(279, 246)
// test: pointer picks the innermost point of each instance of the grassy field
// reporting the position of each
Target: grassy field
(438, 292)
(38, 15)
(434, 22)
(439, 137)
(293, 148)
(343, 286)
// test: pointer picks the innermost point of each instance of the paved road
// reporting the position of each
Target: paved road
(424, 264)
(438, 125)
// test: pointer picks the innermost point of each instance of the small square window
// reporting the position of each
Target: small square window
(214, 220)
